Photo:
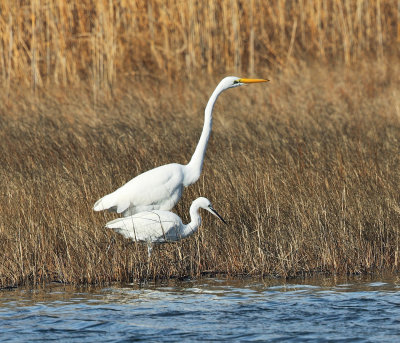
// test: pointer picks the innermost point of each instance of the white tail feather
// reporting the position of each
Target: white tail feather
(105, 203)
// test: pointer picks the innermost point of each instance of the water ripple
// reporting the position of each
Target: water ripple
(208, 310)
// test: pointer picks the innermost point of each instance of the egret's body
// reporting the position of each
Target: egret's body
(161, 188)
(158, 188)
(161, 226)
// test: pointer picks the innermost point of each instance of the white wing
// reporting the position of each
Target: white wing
(159, 188)
(153, 226)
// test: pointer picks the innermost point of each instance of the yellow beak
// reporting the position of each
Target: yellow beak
(252, 80)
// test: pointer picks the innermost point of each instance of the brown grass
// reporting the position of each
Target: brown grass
(304, 168)
(101, 42)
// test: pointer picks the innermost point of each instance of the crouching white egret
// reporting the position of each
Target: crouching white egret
(161, 226)
(161, 188)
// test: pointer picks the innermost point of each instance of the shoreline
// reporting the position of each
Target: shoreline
(305, 171)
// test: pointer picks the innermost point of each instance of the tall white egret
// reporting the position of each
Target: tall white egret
(161, 188)
(161, 226)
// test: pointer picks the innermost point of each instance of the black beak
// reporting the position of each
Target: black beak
(218, 215)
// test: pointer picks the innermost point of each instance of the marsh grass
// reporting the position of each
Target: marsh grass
(305, 169)
(55, 42)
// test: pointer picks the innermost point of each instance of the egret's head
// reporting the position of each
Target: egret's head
(233, 81)
(206, 204)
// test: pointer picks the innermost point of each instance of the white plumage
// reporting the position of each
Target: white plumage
(158, 188)
(161, 188)
(161, 226)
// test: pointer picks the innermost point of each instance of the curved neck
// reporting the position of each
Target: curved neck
(195, 165)
(195, 221)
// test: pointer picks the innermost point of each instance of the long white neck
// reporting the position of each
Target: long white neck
(195, 221)
(195, 165)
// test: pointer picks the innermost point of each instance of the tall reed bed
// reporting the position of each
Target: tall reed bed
(305, 169)
(46, 42)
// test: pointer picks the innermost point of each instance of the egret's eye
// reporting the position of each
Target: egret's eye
(235, 82)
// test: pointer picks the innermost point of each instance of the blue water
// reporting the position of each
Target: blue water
(321, 310)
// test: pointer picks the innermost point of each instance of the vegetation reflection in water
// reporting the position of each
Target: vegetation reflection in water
(211, 309)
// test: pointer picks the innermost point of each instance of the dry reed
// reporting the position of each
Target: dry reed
(100, 42)
(305, 169)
